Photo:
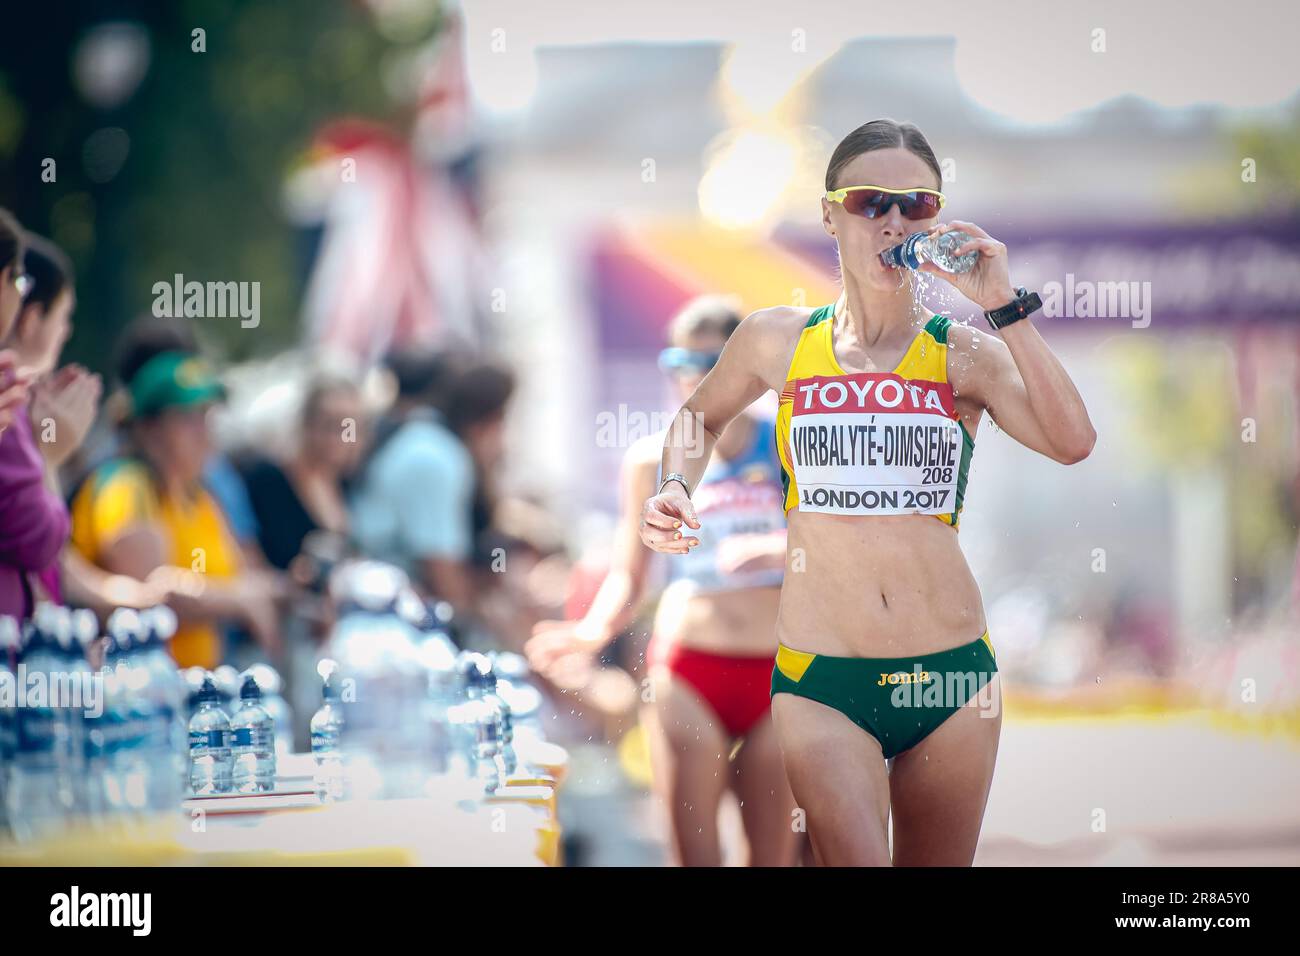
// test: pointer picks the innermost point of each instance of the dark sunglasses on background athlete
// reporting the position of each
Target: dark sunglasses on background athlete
(874, 201)
(675, 360)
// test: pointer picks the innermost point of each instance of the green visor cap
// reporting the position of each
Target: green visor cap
(173, 380)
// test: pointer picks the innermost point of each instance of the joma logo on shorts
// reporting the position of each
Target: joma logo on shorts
(904, 677)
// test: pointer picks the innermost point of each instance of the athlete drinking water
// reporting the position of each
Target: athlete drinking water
(882, 631)
(710, 658)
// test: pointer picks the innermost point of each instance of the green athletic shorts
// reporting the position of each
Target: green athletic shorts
(898, 700)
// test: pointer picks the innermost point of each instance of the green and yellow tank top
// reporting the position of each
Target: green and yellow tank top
(872, 443)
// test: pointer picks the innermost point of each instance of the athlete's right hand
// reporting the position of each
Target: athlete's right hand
(553, 640)
(662, 517)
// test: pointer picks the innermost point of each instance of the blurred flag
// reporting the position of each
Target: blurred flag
(401, 261)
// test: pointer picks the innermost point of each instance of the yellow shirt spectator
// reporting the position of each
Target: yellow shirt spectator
(122, 496)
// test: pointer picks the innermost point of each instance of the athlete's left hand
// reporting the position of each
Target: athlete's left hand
(988, 285)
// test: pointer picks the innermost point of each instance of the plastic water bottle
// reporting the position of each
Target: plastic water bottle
(210, 770)
(387, 734)
(941, 250)
(37, 805)
(460, 722)
(193, 678)
(252, 747)
(78, 629)
(166, 743)
(437, 654)
(509, 760)
(8, 713)
(326, 736)
(476, 724)
(131, 769)
(273, 702)
(106, 735)
(67, 684)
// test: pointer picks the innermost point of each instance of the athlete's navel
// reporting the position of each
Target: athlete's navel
(883, 601)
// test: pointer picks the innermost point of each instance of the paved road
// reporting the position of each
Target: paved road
(1174, 791)
(1171, 792)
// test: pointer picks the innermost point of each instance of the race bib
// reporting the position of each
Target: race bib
(874, 443)
(732, 506)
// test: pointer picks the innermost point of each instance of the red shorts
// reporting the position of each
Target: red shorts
(738, 689)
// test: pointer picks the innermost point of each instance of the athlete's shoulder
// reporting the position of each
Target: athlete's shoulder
(779, 319)
(774, 329)
(984, 357)
(964, 338)
(770, 337)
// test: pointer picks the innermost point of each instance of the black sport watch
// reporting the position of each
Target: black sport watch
(1024, 303)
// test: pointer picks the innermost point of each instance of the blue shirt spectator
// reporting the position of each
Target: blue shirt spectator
(227, 485)
(414, 501)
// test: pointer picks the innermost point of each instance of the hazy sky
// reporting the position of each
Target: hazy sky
(1030, 61)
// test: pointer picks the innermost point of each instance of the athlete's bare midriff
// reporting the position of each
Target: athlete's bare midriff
(739, 623)
(872, 586)
(880, 586)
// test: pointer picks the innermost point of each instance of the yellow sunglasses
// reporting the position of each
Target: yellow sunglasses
(873, 201)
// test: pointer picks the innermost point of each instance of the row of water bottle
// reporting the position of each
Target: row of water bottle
(94, 744)
(403, 710)
(83, 743)
(471, 729)
(232, 753)
(482, 725)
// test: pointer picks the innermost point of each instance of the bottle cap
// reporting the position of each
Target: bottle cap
(161, 620)
(412, 609)
(208, 692)
(471, 664)
(443, 612)
(85, 626)
(369, 585)
(250, 690)
(124, 626)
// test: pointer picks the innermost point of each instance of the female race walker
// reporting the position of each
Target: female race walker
(881, 627)
(710, 657)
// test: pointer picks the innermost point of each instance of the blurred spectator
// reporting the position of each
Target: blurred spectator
(144, 338)
(33, 518)
(61, 409)
(44, 322)
(415, 504)
(305, 493)
(148, 515)
(13, 283)
(476, 407)
(222, 478)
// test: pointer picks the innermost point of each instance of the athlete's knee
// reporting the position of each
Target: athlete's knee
(851, 845)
